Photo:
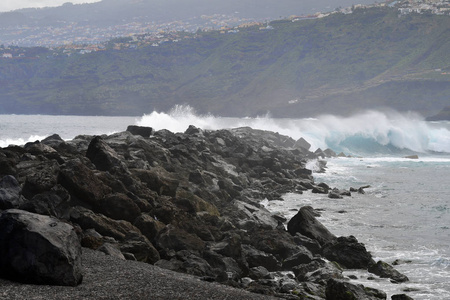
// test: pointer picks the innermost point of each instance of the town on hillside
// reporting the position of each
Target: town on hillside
(75, 39)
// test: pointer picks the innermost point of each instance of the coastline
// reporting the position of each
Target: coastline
(189, 202)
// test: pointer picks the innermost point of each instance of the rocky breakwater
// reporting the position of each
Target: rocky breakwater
(187, 202)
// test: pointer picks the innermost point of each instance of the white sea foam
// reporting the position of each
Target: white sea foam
(19, 141)
(369, 132)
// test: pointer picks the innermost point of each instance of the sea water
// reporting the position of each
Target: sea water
(404, 214)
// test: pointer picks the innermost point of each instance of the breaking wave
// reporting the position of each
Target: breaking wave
(369, 132)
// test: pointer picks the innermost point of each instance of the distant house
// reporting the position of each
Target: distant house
(7, 55)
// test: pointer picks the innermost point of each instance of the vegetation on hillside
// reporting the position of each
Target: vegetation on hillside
(337, 64)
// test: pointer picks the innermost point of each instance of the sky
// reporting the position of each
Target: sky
(8, 5)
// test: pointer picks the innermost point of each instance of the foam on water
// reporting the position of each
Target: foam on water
(405, 215)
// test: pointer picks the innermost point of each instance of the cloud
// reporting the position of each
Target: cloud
(8, 5)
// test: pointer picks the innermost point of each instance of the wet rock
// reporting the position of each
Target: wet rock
(306, 224)
(415, 156)
(38, 249)
(338, 289)
(319, 190)
(348, 252)
(334, 195)
(385, 270)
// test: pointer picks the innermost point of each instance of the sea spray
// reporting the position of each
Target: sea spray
(367, 133)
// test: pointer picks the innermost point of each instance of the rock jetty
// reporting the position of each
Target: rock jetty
(187, 202)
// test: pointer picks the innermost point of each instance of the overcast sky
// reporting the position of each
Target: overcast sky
(8, 5)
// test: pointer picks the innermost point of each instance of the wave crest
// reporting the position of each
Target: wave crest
(368, 132)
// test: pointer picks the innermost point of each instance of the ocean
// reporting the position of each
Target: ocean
(404, 214)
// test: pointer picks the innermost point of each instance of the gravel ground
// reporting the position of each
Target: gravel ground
(106, 277)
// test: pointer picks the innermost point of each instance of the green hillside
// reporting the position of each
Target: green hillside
(371, 58)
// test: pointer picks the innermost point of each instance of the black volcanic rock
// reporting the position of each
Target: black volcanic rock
(385, 270)
(348, 252)
(305, 223)
(140, 130)
(38, 249)
(10, 193)
(188, 202)
(338, 289)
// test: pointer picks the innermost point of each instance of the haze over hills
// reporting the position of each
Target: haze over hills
(371, 58)
(100, 21)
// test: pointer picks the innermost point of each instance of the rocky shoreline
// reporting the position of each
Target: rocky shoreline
(186, 202)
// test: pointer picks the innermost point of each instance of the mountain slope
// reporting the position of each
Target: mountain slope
(339, 64)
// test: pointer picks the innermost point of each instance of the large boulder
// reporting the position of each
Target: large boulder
(38, 249)
(305, 223)
(348, 252)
